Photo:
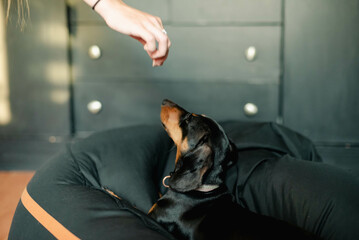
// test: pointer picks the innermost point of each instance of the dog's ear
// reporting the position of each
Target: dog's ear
(232, 155)
(221, 160)
(190, 169)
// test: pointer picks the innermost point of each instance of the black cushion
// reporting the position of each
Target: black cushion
(317, 197)
(70, 187)
(129, 161)
(270, 177)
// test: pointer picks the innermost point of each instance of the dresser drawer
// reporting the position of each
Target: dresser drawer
(81, 12)
(229, 11)
(135, 102)
(202, 54)
(194, 11)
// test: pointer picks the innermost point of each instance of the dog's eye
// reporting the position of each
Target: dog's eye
(187, 118)
(202, 140)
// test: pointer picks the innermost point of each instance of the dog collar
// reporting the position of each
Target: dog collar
(207, 188)
(220, 190)
(202, 188)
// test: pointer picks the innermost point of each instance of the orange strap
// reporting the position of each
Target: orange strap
(50, 223)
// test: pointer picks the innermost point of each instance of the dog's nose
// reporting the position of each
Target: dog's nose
(167, 102)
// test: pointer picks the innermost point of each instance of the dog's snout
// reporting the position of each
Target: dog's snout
(164, 101)
(167, 102)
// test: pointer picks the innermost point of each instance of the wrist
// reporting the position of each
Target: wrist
(91, 3)
(103, 7)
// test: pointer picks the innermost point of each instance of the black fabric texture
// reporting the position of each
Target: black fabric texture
(25, 226)
(318, 197)
(128, 161)
(278, 173)
(69, 186)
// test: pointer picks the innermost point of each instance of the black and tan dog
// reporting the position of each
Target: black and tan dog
(197, 204)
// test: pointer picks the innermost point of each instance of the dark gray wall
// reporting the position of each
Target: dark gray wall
(321, 87)
(321, 76)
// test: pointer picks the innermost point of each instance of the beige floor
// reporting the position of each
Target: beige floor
(12, 183)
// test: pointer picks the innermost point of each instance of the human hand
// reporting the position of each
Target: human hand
(145, 28)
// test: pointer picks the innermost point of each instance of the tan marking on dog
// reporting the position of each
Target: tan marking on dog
(170, 118)
(178, 155)
(203, 171)
(182, 148)
(184, 145)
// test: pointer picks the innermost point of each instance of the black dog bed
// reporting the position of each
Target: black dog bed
(103, 186)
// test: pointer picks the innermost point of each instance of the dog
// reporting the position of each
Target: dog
(197, 204)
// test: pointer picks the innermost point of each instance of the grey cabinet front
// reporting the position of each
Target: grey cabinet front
(206, 75)
(224, 62)
(200, 54)
(138, 102)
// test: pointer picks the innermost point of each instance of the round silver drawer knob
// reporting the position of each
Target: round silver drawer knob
(94, 52)
(250, 109)
(94, 107)
(251, 53)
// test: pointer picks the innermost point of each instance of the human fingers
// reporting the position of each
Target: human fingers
(149, 39)
(159, 61)
(143, 42)
(162, 39)
(155, 62)
(157, 21)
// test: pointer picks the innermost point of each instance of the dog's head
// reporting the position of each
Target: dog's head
(203, 148)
